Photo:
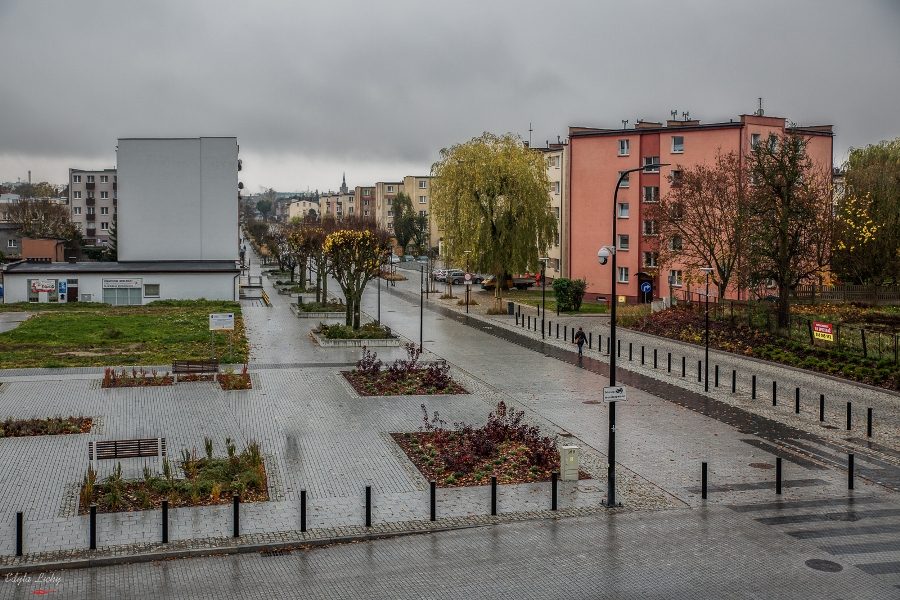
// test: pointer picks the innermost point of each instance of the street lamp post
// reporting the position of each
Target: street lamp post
(468, 284)
(706, 270)
(380, 271)
(543, 260)
(605, 253)
(421, 301)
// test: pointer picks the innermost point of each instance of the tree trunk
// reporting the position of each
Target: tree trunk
(356, 312)
(784, 307)
(348, 316)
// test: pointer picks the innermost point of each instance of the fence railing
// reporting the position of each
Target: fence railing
(866, 294)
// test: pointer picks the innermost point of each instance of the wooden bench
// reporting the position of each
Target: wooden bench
(193, 367)
(137, 448)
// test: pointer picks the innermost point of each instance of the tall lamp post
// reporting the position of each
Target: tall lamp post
(468, 284)
(544, 260)
(604, 255)
(380, 273)
(706, 270)
(421, 301)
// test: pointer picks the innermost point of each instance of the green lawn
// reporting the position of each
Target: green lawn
(533, 298)
(89, 334)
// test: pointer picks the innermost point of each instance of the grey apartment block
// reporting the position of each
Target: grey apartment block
(93, 202)
(10, 239)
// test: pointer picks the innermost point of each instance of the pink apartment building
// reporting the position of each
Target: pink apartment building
(597, 156)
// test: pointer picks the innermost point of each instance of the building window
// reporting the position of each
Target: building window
(76, 178)
(104, 195)
(389, 201)
(624, 147)
(650, 227)
(104, 179)
(650, 259)
(623, 210)
(350, 210)
(754, 140)
(677, 178)
(677, 211)
(76, 210)
(556, 210)
(651, 160)
(90, 179)
(390, 188)
(104, 210)
(104, 225)
(677, 144)
(623, 274)
(90, 210)
(390, 213)
(773, 142)
(366, 203)
(553, 161)
(366, 214)
(651, 193)
(10, 243)
(554, 187)
(423, 199)
(675, 243)
(151, 290)
(423, 184)
(623, 242)
(625, 179)
(423, 213)
(76, 195)
(675, 278)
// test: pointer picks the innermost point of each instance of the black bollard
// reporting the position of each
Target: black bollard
(797, 401)
(716, 380)
(669, 362)
(165, 521)
(733, 381)
(642, 354)
(703, 481)
(368, 506)
(683, 366)
(529, 321)
(849, 415)
(493, 496)
(590, 339)
(554, 477)
(565, 332)
(19, 526)
(869, 422)
(850, 472)
(303, 510)
(618, 348)
(654, 358)
(629, 350)
(699, 370)
(778, 475)
(821, 407)
(607, 346)
(517, 319)
(433, 486)
(753, 388)
(236, 509)
(557, 330)
(92, 526)
(774, 393)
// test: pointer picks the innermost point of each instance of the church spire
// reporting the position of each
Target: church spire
(344, 183)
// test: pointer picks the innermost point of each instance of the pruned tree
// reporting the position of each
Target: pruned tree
(490, 195)
(789, 217)
(354, 258)
(867, 224)
(43, 219)
(702, 220)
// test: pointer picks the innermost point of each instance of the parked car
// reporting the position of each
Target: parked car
(422, 259)
(456, 277)
(407, 258)
(394, 259)
(439, 274)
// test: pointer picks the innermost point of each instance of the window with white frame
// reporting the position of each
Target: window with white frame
(423, 184)
(677, 144)
(90, 210)
(754, 140)
(651, 160)
(556, 210)
(623, 210)
(675, 277)
(76, 178)
(554, 187)
(677, 177)
(676, 211)
(423, 199)
(623, 241)
(390, 213)
(651, 259)
(90, 179)
(625, 180)
(390, 188)
(350, 210)
(151, 290)
(104, 179)
(675, 243)
(76, 195)
(650, 227)
(104, 195)
(773, 142)
(366, 214)
(624, 147)
(623, 274)
(76, 210)
(104, 225)
(11, 243)
(104, 210)
(651, 193)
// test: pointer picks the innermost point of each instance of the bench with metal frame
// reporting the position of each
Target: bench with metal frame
(116, 449)
(194, 367)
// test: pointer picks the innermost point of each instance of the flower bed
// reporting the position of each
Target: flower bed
(134, 378)
(505, 447)
(326, 307)
(229, 380)
(51, 426)
(368, 331)
(207, 481)
(404, 377)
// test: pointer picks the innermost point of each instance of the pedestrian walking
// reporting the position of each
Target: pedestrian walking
(580, 339)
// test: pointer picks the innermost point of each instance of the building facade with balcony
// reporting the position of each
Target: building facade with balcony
(596, 159)
(93, 203)
(556, 157)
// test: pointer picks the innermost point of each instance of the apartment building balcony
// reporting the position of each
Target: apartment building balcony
(90, 185)
(90, 217)
(90, 232)
(115, 185)
(90, 201)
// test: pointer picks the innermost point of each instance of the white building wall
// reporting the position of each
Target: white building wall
(178, 199)
(172, 286)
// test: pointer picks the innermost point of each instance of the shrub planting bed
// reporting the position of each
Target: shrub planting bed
(50, 426)
(687, 325)
(207, 481)
(505, 447)
(134, 378)
(368, 331)
(403, 378)
(322, 307)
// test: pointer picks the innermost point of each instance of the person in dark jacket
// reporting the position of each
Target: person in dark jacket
(580, 339)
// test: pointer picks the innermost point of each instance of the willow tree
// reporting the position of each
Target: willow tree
(490, 196)
(354, 257)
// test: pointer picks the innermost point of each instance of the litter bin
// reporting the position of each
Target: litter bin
(511, 308)
(569, 463)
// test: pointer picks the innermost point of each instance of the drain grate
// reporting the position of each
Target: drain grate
(276, 552)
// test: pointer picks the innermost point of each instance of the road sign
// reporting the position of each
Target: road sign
(646, 287)
(615, 393)
(823, 331)
(467, 278)
(221, 322)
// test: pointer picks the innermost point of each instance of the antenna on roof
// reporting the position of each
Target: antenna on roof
(674, 114)
(624, 123)
(529, 133)
(558, 139)
(760, 112)
(686, 115)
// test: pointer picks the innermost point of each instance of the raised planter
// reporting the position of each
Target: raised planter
(354, 343)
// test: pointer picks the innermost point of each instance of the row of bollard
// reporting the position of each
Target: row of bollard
(704, 479)
(236, 513)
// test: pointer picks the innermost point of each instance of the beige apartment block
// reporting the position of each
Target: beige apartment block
(418, 188)
(556, 156)
(338, 204)
(364, 200)
(300, 208)
(93, 202)
(385, 192)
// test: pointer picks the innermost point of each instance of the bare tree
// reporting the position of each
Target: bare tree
(43, 219)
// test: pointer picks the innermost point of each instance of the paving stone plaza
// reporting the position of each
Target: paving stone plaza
(817, 539)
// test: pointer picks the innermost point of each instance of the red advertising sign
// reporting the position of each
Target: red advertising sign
(823, 331)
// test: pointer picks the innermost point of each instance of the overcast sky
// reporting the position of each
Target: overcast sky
(376, 88)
